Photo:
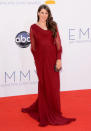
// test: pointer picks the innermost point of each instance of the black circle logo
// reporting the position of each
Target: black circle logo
(22, 39)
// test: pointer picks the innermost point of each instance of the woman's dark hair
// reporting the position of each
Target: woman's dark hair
(51, 24)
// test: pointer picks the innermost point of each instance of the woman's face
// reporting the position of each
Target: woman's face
(43, 15)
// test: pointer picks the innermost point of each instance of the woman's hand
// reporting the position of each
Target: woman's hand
(58, 64)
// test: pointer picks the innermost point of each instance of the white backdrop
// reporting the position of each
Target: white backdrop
(17, 69)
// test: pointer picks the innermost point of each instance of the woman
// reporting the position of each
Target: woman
(47, 50)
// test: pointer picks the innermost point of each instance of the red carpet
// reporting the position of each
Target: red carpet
(73, 104)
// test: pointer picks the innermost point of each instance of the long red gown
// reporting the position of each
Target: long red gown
(46, 50)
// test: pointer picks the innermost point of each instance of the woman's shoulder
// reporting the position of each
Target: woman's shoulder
(32, 26)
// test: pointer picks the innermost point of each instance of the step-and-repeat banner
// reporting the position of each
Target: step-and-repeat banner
(17, 69)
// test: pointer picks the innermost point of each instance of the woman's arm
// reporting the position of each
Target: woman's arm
(32, 40)
(59, 50)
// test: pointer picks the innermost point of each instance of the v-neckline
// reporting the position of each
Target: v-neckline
(41, 28)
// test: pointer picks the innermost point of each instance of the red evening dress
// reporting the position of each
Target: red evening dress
(46, 50)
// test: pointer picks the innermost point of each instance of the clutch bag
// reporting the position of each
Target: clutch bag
(57, 70)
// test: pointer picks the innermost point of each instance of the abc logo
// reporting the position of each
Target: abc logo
(22, 39)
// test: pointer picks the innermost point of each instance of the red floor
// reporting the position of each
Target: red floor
(73, 104)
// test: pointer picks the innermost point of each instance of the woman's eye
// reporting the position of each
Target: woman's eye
(43, 13)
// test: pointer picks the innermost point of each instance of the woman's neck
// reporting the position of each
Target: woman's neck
(42, 24)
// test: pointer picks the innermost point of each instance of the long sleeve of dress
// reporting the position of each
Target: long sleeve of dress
(58, 45)
(32, 41)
